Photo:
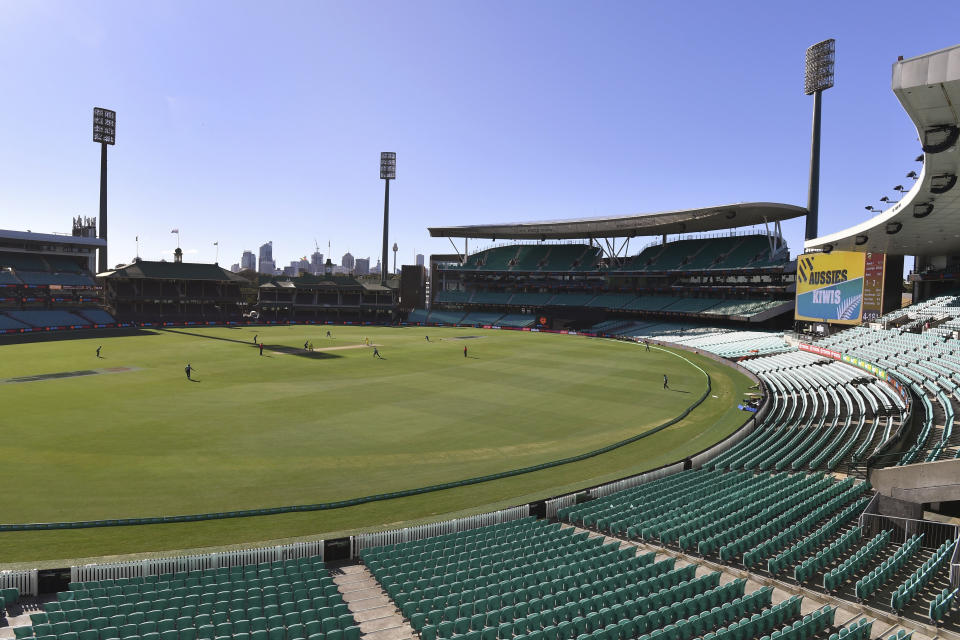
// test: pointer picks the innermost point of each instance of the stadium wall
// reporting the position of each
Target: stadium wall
(202, 562)
(396, 536)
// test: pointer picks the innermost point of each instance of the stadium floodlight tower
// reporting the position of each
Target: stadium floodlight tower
(818, 77)
(104, 132)
(388, 172)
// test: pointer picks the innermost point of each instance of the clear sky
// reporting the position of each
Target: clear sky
(245, 122)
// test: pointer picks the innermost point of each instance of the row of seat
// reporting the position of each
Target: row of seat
(841, 573)
(909, 589)
(842, 493)
(285, 600)
(794, 554)
(806, 569)
(761, 623)
(941, 604)
(856, 630)
(8, 598)
(577, 618)
(879, 576)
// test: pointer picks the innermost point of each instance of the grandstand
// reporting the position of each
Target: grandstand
(927, 362)
(733, 278)
(293, 599)
(157, 291)
(46, 282)
(327, 298)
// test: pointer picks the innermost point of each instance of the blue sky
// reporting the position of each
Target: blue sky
(245, 122)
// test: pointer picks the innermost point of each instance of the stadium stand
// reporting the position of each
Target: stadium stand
(728, 343)
(567, 257)
(928, 363)
(288, 600)
(611, 300)
(528, 258)
(453, 296)
(537, 580)
(531, 299)
(649, 303)
(418, 316)
(96, 316)
(481, 317)
(62, 279)
(23, 262)
(741, 307)
(46, 277)
(572, 300)
(8, 278)
(491, 297)
(445, 317)
(47, 318)
(6, 322)
(519, 320)
(575, 286)
(825, 415)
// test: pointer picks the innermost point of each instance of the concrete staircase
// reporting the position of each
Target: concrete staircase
(374, 612)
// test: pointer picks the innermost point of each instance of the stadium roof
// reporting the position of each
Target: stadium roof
(715, 218)
(172, 271)
(926, 220)
(51, 238)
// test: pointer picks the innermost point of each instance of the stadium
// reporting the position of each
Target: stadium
(763, 447)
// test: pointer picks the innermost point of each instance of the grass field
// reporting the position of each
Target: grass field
(295, 427)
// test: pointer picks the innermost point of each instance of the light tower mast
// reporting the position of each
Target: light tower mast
(817, 79)
(104, 132)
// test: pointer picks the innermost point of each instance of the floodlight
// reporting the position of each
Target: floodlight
(104, 125)
(819, 69)
(817, 77)
(388, 172)
(388, 165)
(104, 132)
(913, 174)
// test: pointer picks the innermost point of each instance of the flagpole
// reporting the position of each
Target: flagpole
(137, 238)
(216, 260)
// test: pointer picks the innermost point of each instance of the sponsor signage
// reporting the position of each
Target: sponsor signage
(820, 351)
(830, 287)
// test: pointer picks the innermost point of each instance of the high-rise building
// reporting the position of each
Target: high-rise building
(347, 262)
(362, 266)
(419, 259)
(235, 267)
(266, 255)
(376, 269)
(268, 267)
(248, 260)
(316, 263)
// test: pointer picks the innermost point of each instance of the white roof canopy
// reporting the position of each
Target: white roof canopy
(926, 220)
(714, 218)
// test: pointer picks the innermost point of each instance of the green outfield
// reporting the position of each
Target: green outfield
(129, 436)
